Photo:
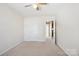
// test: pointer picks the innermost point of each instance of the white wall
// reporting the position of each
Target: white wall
(34, 29)
(11, 28)
(67, 28)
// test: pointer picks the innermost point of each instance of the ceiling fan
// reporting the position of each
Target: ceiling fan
(37, 6)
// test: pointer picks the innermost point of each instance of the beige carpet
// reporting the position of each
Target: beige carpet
(35, 49)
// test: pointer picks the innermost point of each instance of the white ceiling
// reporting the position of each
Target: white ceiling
(48, 10)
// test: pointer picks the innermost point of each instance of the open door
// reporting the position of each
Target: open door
(50, 30)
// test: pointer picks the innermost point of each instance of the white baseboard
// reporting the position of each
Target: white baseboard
(65, 50)
(10, 48)
(70, 52)
(36, 40)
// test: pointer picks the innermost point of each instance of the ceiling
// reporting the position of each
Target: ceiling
(48, 10)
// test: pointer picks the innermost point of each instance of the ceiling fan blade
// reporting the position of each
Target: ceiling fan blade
(28, 5)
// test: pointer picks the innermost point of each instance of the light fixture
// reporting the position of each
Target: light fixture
(36, 6)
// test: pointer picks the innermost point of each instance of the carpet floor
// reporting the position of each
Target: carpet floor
(35, 49)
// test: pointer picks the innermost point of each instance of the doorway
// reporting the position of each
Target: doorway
(50, 30)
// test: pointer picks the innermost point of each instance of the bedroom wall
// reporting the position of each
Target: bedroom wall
(11, 28)
(34, 29)
(67, 28)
